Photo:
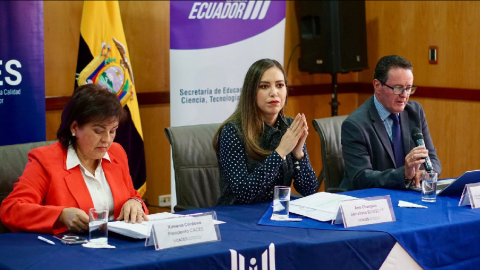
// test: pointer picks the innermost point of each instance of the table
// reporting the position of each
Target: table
(444, 236)
(293, 248)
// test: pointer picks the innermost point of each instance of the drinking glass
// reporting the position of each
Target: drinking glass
(281, 202)
(98, 230)
(429, 186)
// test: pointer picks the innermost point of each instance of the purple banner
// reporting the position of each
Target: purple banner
(22, 75)
(209, 24)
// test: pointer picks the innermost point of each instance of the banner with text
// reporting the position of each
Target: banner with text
(212, 45)
(22, 77)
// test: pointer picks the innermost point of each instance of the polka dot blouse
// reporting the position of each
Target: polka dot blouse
(245, 181)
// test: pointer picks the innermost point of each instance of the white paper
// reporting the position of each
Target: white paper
(339, 216)
(471, 195)
(465, 199)
(409, 204)
(170, 233)
(97, 245)
(141, 230)
(365, 212)
(322, 206)
(277, 206)
(474, 190)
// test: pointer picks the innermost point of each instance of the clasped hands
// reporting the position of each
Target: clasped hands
(294, 139)
(413, 160)
(77, 220)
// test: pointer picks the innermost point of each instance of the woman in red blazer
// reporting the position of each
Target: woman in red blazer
(83, 170)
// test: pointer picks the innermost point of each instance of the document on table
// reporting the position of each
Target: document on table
(140, 230)
(322, 206)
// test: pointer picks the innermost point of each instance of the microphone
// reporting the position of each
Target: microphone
(417, 137)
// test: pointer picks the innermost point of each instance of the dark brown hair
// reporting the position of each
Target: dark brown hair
(88, 103)
(388, 62)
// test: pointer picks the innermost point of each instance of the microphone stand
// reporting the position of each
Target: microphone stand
(334, 103)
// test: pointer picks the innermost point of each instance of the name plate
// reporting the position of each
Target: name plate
(471, 196)
(366, 211)
(183, 231)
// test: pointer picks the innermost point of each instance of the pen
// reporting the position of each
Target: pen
(46, 240)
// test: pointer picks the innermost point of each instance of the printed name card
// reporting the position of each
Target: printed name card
(183, 231)
(471, 196)
(366, 211)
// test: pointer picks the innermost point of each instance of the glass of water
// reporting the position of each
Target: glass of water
(98, 229)
(429, 186)
(281, 202)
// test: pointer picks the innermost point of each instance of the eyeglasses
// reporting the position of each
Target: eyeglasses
(398, 90)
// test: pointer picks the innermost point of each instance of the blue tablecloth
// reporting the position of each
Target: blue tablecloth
(295, 248)
(444, 236)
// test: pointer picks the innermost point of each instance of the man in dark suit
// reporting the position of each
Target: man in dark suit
(378, 149)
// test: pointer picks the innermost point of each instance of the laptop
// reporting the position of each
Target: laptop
(455, 186)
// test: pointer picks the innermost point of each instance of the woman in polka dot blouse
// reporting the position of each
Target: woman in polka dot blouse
(257, 146)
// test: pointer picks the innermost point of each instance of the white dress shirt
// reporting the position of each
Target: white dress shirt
(97, 184)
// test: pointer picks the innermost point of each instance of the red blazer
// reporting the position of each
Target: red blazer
(47, 187)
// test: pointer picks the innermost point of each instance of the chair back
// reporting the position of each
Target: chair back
(13, 159)
(329, 130)
(197, 178)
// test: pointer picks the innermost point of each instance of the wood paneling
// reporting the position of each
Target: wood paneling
(53, 122)
(151, 98)
(406, 28)
(147, 30)
(155, 118)
(146, 26)
(62, 33)
(454, 130)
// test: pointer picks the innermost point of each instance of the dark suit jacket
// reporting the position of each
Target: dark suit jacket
(367, 151)
(47, 187)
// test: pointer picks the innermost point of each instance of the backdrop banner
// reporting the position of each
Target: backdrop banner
(22, 75)
(212, 45)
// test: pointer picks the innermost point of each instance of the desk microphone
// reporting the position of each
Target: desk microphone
(417, 137)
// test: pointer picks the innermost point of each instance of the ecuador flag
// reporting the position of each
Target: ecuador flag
(103, 59)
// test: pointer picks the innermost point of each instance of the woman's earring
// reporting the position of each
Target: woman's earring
(73, 134)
